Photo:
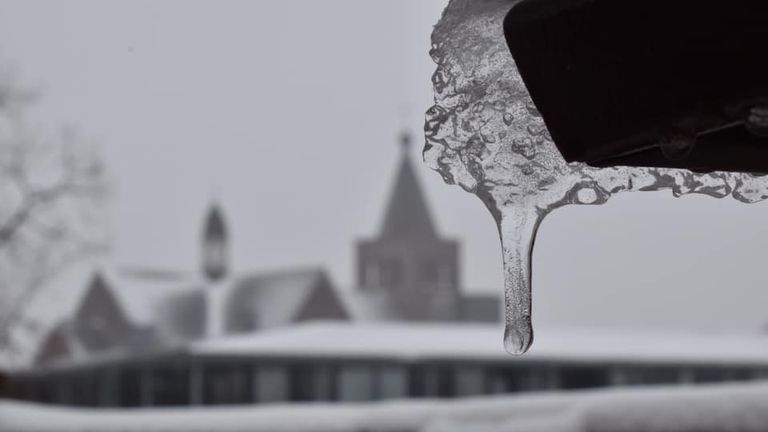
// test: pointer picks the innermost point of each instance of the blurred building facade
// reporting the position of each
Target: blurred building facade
(410, 268)
(357, 362)
(407, 273)
(407, 329)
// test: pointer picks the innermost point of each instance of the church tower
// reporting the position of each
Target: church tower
(409, 262)
(215, 245)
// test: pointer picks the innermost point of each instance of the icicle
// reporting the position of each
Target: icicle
(518, 234)
(485, 134)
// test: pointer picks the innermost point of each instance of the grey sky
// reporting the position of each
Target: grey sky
(287, 112)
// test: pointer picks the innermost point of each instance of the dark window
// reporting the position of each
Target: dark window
(437, 273)
(432, 381)
(382, 272)
(227, 384)
(741, 375)
(583, 377)
(469, 381)
(392, 382)
(506, 380)
(46, 391)
(658, 375)
(356, 383)
(272, 383)
(442, 384)
(85, 394)
(303, 384)
(130, 388)
(170, 386)
(64, 388)
(417, 382)
(707, 375)
(108, 382)
(522, 378)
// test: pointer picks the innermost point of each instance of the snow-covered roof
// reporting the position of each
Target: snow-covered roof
(274, 298)
(404, 341)
(63, 293)
(742, 407)
(141, 296)
(369, 305)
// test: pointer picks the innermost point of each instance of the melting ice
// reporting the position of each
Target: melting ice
(485, 134)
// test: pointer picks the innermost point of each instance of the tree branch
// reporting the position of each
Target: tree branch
(60, 187)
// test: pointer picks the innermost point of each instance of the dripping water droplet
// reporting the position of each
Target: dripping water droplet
(518, 338)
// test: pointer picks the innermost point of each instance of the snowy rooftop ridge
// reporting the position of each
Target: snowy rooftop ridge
(406, 341)
(742, 408)
(141, 294)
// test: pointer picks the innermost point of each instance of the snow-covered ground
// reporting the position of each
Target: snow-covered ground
(712, 408)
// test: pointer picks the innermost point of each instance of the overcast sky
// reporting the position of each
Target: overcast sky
(287, 113)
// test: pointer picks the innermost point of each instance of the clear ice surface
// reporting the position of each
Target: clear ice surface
(485, 134)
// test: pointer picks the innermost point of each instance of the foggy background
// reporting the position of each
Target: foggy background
(287, 113)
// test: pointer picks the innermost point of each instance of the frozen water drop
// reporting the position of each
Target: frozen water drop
(517, 228)
(518, 338)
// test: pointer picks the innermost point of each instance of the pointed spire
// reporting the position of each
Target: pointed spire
(215, 244)
(214, 223)
(407, 213)
(405, 142)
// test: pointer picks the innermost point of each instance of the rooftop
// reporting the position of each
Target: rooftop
(408, 341)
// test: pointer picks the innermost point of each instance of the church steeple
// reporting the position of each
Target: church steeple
(215, 245)
(407, 213)
(409, 264)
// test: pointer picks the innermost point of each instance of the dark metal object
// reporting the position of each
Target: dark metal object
(661, 83)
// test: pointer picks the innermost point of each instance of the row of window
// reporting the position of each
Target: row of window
(243, 383)
(386, 272)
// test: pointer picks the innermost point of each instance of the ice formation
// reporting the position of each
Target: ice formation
(485, 134)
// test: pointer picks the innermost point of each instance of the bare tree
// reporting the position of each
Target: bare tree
(51, 195)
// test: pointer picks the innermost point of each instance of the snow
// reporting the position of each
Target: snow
(62, 293)
(141, 297)
(741, 407)
(373, 340)
(388, 416)
(369, 305)
(483, 342)
(57, 298)
(276, 297)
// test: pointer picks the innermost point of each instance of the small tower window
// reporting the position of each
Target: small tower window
(437, 273)
(382, 272)
(372, 277)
